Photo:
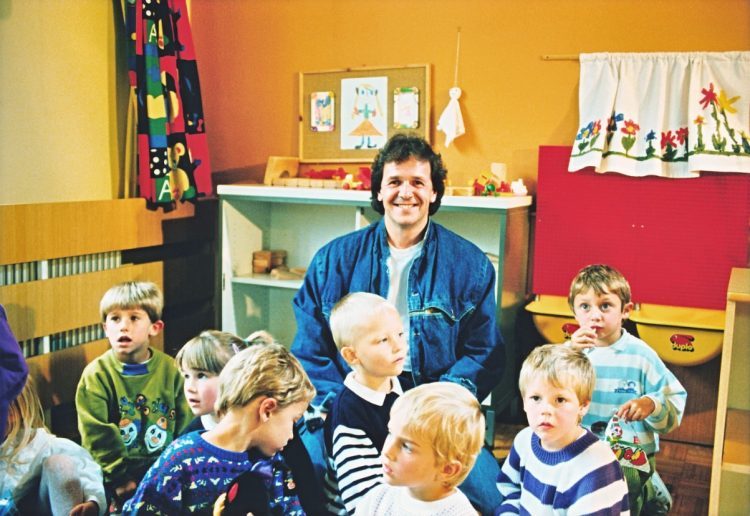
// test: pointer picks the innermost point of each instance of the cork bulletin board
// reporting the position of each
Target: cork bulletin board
(321, 141)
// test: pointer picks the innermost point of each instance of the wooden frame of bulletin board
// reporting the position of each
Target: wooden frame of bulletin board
(325, 146)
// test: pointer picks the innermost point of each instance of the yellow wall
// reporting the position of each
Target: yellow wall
(59, 124)
(249, 54)
(63, 81)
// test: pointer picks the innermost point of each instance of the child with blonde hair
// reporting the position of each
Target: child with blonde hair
(555, 465)
(632, 382)
(263, 390)
(41, 473)
(369, 334)
(436, 431)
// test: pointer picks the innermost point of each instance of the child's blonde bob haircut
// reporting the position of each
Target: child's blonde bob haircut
(602, 279)
(25, 415)
(209, 351)
(561, 366)
(263, 369)
(352, 312)
(449, 417)
(131, 295)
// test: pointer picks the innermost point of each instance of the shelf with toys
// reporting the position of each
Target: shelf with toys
(300, 220)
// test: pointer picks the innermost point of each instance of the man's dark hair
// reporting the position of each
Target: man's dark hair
(400, 148)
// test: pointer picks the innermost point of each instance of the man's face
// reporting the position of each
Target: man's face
(406, 192)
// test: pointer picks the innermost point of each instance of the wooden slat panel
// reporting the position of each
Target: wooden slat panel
(32, 232)
(57, 374)
(40, 308)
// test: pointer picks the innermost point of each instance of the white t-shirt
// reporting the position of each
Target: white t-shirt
(399, 264)
(387, 500)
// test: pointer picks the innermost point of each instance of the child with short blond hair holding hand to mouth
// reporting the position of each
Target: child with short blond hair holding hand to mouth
(632, 382)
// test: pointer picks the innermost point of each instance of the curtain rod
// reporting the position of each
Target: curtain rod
(560, 57)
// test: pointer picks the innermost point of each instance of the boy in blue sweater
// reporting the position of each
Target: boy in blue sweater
(555, 465)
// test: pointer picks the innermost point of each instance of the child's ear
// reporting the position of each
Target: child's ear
(584, 409)
(156, 328)
(265, 408)
(350, 355)
(626, 310)
(450, 470)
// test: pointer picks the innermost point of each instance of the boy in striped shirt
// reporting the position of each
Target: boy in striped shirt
(632, 382)
(369, 334)
(555, 466)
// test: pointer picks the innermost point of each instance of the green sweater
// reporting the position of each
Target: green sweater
(128, 413)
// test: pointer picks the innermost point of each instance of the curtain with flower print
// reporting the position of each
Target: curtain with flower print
(170, 139)
(664, 114)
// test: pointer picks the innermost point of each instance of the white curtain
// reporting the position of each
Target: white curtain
(664, 114)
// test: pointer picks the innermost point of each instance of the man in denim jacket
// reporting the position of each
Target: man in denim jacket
(441, 284)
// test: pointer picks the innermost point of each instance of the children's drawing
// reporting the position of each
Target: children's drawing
(322, 111)
(406, 108)
(364, 113)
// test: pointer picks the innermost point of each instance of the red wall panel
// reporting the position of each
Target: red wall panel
(675, 240)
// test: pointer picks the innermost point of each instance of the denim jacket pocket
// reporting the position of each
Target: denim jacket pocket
(434, 329)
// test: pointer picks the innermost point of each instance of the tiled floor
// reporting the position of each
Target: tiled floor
(685, 468)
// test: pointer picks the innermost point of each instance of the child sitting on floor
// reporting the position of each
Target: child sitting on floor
(200, 361)
(436, 431)
(263, 390)
(369, 334)
(129, 400)
(555, 465)
(632, 382)
(44, 474)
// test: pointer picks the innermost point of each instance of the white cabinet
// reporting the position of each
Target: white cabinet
(730, 469)
(301, 220)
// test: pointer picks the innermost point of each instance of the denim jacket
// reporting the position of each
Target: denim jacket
(454, 335)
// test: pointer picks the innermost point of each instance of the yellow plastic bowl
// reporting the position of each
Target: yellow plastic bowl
(552, 317)
(680, 335)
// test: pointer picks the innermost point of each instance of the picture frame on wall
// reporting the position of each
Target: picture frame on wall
(345, 139)
(406, 108)
(322, 111)
(364, 112)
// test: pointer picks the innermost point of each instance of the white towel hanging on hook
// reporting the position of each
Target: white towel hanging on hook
(451, 121)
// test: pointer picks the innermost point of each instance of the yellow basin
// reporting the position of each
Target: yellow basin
(679, 335)
(551, 314)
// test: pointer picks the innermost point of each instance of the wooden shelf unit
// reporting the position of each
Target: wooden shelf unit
(730, 469)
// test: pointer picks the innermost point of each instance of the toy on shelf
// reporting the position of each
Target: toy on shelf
(491, 187)
(265, 261)
(328, 178)
(362, 181)
(518, 188)
(285, 273)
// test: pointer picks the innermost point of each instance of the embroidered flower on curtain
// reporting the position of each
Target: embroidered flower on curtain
(666, 114)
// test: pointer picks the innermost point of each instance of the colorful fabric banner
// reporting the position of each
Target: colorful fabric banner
(172, 148)
(664, 114)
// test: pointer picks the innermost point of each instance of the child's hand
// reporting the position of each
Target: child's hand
(583, 338)
(125, 491)
(90, 508)
(637, 409)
